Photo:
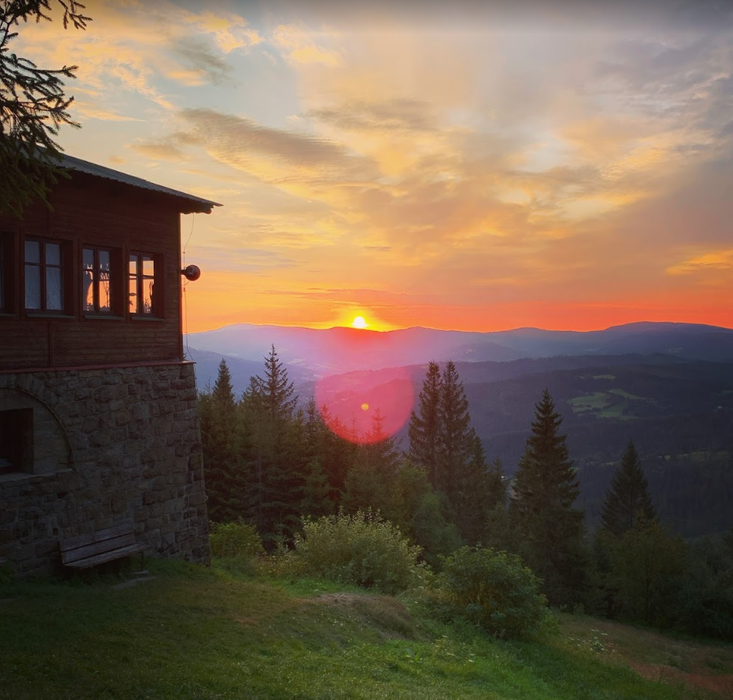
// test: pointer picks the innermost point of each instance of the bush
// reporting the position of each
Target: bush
(235, 540)
(494, 590)
(361, 549)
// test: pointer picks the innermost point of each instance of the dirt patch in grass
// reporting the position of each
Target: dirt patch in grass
(388, 615)
(707, 667)
(719, 684)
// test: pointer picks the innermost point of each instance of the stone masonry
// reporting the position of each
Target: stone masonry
(109, 446)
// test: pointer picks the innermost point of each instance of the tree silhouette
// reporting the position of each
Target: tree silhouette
(627, 498)
(423, 429)
(33, 106)
(541, 508)
(455, 436)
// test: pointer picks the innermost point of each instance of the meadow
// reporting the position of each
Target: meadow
(189, 632)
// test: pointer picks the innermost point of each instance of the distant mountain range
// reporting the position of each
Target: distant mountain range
(316, 353)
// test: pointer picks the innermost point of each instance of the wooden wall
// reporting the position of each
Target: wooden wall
(93, 211)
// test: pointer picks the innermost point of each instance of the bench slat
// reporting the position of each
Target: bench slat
(90, 538)
(85, 551)
(106, 556)
(90, 550)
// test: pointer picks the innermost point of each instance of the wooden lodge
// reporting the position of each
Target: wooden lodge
(97, 403)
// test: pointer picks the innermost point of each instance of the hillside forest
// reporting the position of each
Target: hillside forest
(274, 461)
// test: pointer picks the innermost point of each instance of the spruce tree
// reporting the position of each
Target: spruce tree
(627, 499)
(455, 436)
(545, 487)
(316, 501)
(220, 445)
(275, 389)
(423, 429)
(470, 494)
(33, 107)
(276, 459)
(370, 482)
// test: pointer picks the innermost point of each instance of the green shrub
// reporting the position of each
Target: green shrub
(494, 590)
(235, 540)
(362, 549)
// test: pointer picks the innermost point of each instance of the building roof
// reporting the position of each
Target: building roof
(187, 203)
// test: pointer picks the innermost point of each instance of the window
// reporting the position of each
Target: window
(143, 298)
(7, 272)
(44, 279)
(3, 280)
(96, 271)
(16, 440)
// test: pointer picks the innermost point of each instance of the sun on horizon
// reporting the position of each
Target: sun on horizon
(359, 323)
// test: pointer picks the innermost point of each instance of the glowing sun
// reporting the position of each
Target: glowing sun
(359, 322)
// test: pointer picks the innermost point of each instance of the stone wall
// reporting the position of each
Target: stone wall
(110, 445)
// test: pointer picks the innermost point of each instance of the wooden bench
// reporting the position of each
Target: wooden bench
(85, 551)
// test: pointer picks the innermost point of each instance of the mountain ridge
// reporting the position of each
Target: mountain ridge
(342, 349)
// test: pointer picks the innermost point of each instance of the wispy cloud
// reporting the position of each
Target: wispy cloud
(463, 162)
(700, 264)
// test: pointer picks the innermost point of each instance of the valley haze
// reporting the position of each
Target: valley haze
(313, 353)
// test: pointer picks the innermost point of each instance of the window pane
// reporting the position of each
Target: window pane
(88, 259)
(2, 277)
(133, 295)
(54, 300)
(148, 297)
(148, 267)
(104, 259)
(88, 282)
(104, 302)
(32, 251)
(133, 264)
(32, 286)
(53, 254)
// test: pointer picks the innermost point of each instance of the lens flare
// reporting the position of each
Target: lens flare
(352, 404)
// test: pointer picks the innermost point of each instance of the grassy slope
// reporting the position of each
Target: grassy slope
(197, 633)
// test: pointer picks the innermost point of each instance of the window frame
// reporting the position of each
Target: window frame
(156, 295)
(3, 273)
(97, 272)
(43, 266)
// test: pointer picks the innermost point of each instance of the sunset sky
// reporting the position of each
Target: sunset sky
(446, 166)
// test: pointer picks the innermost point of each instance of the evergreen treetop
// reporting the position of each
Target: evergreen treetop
(627, 498)
(549, 529)
(223, 393)
(275, 390)
(423, 429)
(33, 106)
(455, 434)
(546, 475)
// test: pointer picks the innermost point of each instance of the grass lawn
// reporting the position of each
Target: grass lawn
(196, 633)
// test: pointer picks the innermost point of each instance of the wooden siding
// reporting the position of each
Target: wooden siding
(95, 212)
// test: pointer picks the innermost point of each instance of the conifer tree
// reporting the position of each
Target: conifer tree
(220, 438)
(338, 454)
(455, 436)
(541, 509)
(275, 390)
(423, 431)
(627, 498)
(33, 106)
(379, 452)
(275, 461)
(316, 492)
(470, 497)
(370, 482)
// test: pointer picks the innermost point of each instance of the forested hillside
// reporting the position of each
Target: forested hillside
(276, 461)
